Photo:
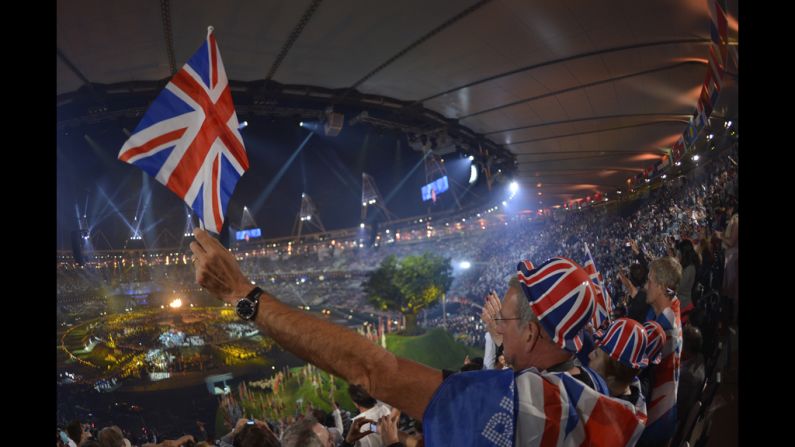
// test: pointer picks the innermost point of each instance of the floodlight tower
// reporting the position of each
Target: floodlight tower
(371, 197)
(247, 221)
(187, 232)
(308, 215)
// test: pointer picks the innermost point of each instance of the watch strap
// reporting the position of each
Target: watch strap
(255, 294)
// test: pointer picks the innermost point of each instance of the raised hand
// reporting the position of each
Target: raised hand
(388, 427)
(217, 269)
(355, 433)
(491, 310)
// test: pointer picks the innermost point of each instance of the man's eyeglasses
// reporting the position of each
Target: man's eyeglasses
(505, 319)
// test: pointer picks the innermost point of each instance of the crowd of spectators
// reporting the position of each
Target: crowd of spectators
(690, 207)
(689, 217)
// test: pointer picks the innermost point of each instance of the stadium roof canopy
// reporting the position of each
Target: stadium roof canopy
(577, 96)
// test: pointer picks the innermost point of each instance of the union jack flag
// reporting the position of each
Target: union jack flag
(603, 304)
(188, 139)
(562, 297)
(665, 378)
(574, 414)
(533, 409)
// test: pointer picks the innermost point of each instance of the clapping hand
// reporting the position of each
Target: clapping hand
(388, 427)
(491, 310)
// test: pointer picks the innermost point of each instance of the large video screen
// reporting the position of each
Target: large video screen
(439, 185)
(248, 234)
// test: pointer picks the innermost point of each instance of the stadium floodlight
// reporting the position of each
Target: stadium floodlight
(514, 187)
(695, 157)
(710, 136)
(678, 163)
(471, 158)
(242, 125)
(473, 174)
(504, 203)
(465, 265)
(361, 225)
(301, 124)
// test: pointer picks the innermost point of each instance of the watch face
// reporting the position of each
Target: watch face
(245, 308)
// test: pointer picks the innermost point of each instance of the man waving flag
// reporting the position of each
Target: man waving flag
(188, 139)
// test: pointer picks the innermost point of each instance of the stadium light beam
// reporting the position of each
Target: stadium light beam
(312, 126)
(405, 178)
(465, 265)
(275, 180)
(115, 209)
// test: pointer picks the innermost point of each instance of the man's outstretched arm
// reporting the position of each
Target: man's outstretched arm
(399, 382)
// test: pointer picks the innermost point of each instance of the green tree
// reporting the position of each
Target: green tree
(409, 285)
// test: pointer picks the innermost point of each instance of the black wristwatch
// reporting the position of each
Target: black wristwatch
(247, 306)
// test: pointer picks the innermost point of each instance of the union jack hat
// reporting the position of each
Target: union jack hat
(625, 342)
(562, 296)
(655, 339)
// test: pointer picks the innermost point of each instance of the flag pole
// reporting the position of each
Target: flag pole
(196, 222)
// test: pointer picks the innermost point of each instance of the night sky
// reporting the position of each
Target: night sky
(329, 169)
